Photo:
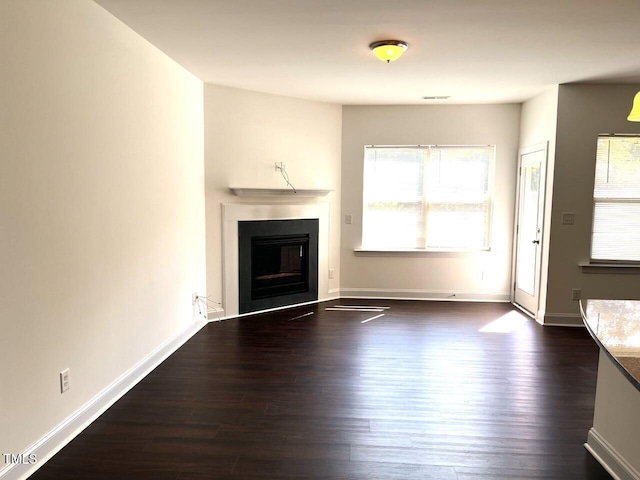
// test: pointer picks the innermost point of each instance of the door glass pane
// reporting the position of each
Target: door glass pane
(528, 229)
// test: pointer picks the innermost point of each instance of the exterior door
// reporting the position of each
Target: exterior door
(529, 223)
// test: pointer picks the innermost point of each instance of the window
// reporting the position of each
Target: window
(427, 197)
(616, 200)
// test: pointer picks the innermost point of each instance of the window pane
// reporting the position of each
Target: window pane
(435, 197)
(616, 193)
(457, 225)
(616, 234)
(393, 175)
(393, 225)
(457, 186)
(458, 175)
(392, 216)
(617, 168)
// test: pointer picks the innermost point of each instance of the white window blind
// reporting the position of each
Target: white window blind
(427, 197)
(616, 199)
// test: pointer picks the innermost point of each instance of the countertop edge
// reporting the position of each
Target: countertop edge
(611, 356)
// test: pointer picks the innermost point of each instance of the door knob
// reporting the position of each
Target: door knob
(536, 242)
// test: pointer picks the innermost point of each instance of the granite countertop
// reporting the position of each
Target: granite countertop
(615, 326)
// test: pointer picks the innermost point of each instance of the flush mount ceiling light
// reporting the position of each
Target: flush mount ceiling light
(634, 115)
(388, 50)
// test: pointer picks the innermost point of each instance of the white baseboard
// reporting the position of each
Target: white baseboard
(425, 295)
(215, 314)
(609, 457)
(69, 428)
(563, 320)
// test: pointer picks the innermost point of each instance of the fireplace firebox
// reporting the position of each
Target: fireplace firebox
(278, 263)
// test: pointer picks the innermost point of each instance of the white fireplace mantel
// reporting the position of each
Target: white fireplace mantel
(278, 192)
(232, 213)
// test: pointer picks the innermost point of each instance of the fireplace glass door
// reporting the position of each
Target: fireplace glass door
(279, 265)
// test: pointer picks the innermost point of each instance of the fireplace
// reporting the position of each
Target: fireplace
(277, 263)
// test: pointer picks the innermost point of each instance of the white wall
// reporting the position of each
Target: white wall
(480, 275)
(246, 133)
(101, 207)
(584, 111)
(538, 123)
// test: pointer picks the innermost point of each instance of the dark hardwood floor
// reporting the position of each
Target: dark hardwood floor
(421, 393)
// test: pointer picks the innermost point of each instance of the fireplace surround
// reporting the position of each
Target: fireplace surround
(277, 263)
(234, 213)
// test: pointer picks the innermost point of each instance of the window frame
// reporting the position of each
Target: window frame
(597, 262)
(490, 196)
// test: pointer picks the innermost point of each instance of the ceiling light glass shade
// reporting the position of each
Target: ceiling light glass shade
(634, 115)
(388, 50)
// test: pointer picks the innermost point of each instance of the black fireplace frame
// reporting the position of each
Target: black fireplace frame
(276, 228)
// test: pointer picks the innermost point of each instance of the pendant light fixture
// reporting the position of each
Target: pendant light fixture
(388, 50)
(634, 115)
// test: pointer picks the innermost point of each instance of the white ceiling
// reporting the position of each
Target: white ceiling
(476, 51)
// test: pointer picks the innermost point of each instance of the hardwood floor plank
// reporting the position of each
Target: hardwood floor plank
(425, 392)
(249, 468)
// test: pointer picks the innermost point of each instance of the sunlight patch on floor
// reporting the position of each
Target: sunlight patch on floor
(509, 322)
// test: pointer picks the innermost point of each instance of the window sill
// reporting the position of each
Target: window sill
(616, 268)
(416, 252)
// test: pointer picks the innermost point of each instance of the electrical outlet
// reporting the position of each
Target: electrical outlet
(65, 380)
(194, 298)
(576, 294)
(348, 219)
(331, 273)
(281, 166)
